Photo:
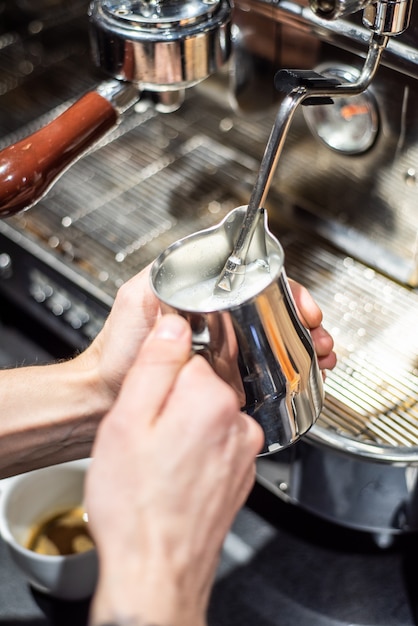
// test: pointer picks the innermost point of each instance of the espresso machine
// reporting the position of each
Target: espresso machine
(164, 155)
(345, 176)
(170, 155)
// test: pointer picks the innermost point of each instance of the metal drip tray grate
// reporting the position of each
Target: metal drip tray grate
(155, 179)
(372, 395)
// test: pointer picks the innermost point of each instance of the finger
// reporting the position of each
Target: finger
(136, 295)
(200, 392)
(254, 434)
(156, 367)
(323, 345)
(309, 312)
(250, 442)
(327, 362)
(322, 340)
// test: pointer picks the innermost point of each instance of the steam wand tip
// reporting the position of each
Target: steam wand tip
(228, 275)
(236, 262)
(223, 284)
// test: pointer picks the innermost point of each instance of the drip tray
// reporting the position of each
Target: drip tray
(372, 394)
(357, 466)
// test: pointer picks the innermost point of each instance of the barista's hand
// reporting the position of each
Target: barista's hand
(133, 315)
(50, 413)
(113, 351)
(311, 317)
(172, 464)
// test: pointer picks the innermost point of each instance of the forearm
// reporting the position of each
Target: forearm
(48, 414)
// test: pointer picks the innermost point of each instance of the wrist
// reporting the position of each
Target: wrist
(126, 621)
(145, 598)
(98, 395)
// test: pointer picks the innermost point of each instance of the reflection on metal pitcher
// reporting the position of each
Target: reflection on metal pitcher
(251, 336)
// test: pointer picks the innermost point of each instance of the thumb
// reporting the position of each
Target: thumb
(156, 367)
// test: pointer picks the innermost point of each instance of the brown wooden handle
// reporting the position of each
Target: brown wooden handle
(29, 167)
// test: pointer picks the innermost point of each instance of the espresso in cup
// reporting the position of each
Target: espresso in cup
(43, 524)
(61, 533)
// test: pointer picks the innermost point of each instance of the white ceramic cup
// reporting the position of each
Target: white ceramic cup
(24, 501)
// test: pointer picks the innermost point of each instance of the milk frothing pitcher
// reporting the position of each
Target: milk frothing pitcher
(251, 336)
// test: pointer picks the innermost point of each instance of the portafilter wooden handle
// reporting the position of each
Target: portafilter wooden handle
(29, 167)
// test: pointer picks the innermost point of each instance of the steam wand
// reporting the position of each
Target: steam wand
(300, 87)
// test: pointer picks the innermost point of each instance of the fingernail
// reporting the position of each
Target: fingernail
(170, 327)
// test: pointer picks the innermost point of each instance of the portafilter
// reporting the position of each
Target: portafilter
(159, 46)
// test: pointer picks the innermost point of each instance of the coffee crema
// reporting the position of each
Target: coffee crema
(63, 533)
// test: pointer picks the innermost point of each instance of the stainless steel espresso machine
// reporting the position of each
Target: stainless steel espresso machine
(169, 155)
(345, 177)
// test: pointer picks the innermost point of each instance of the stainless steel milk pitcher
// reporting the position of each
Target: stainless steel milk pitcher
(252, 336)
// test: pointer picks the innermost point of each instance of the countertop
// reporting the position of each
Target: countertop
(291, 569)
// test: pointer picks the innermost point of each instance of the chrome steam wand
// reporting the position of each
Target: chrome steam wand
(309, 88)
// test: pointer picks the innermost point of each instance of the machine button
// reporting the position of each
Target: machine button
(76, 316)
(5, 265)
(40, 291)
(58, 304)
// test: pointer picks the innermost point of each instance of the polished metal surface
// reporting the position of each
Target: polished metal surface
(97, 223)
(373, 392)
(299, 87)
(332, 10)
(387, 17)
(341, 127)
(347, 222)
(358, 464)
(361, 202)
(252, 337)
(161, 45)
(382, 16)
(293, 36)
